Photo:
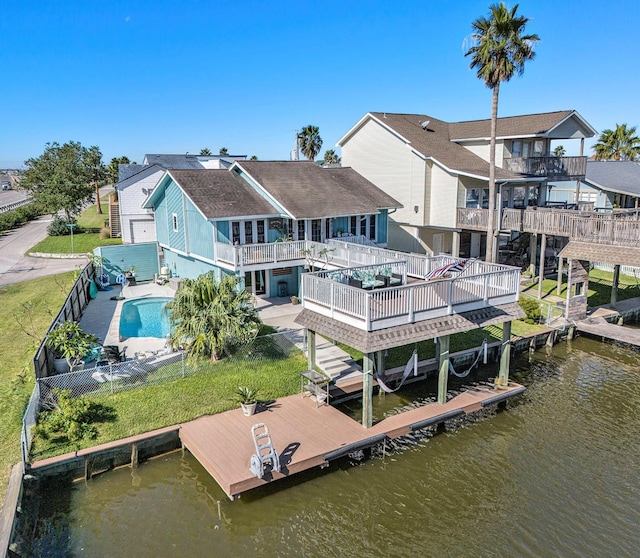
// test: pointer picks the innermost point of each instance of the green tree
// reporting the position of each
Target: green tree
(224, 151)
(310, 141)
(61, 179)
(253, 158)
(113, 168)
(500, 50)
(331, 157)
(205, 151)
(98, 172)
(210, 317)
(620, 144)
(559, 151)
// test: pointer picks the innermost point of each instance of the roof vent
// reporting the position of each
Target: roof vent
(425, 124)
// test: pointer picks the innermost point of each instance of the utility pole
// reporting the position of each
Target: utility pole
(295, 152)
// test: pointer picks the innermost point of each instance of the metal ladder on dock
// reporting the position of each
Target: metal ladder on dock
(265, 452)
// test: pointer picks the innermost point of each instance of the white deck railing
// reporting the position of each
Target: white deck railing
(482, 285)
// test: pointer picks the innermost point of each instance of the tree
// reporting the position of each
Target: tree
(205, 151)
(331, 157)
(98, 172)
(559, 151)
(620, 144)
(210, 317)
(310, 141)
(62, 177)
(253, 158)
(113, 169)
(499, 51)
(224, 151)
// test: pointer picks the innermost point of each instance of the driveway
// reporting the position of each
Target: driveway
(16, 267)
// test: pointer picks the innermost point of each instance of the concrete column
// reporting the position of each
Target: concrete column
(505, 354)
(311, 349)
(367, 390)
(442, 352)
(533, 251)
(543, 246)
(379, 361)
(455, 244)
(614, 287)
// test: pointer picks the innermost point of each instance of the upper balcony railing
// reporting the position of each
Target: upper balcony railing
(548, 167)
(482, 285)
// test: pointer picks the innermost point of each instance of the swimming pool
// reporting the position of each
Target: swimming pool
(144, 317)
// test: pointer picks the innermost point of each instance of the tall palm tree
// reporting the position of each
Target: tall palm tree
(620, 144)
(210, 317)
(224, 151)
(331, 157)
(310, 141)
(499, 51)
(559, 151)
(205, 151)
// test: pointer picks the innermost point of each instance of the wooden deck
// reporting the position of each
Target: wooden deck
(601, 328)
(306, 436)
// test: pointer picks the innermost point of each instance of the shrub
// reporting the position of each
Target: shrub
(58, 226)
(105, 232)
(532, 309)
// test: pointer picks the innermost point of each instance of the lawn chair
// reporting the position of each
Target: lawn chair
(265, 452)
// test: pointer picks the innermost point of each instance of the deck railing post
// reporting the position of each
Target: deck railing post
(485, 295)
(411, 313)
(450, 297)
(367, 317)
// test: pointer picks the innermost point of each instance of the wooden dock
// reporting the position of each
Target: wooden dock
(600, 328)
(306, 436)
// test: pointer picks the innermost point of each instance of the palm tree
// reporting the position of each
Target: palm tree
(224, 151)
(97, 171)
(205, 151)
(559, 151)
(620, 144)
(499, 51)
(310, 141)
(331, 157)
(210, 317)
(253, 158)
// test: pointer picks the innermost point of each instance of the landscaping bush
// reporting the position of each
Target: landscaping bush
(532, 309)
(105, 232)
(58, 227)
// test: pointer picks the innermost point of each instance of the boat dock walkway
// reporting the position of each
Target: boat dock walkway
(599, 327)
(307, 436)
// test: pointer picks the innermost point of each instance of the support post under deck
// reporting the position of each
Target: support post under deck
(367, 390)
(442, 352)
(614, 287)
(505, 354)
(533, 251)
(543, 246)
(311, 349)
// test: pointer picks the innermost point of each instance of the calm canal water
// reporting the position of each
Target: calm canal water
(555, 475)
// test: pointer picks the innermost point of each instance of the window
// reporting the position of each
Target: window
(372, 227)
(316, 230)
(473, 198)
(327, 228)
(235, 232)
(353, 225)
(363, 225)
(516, 148)
(301, 232)
(174, 219)
(260, 228)
(248, 232)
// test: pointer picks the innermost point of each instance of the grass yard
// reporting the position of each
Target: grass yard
(29, 306)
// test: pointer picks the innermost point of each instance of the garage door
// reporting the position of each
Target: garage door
(142, 231)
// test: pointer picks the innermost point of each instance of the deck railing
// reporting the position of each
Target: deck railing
(482, 285)
(474, 218)
(549, 167)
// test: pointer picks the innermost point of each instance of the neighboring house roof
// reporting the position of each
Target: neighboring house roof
(128, 170)
(220, 194)
(614, 176)
(527, 125)
(174, 161)
(602, 253)
(307, 191)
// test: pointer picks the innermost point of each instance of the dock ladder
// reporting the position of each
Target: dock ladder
(265, 452)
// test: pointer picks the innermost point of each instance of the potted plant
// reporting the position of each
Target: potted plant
(70, 344)
(131, 272)
(246, 396)
(295, 300)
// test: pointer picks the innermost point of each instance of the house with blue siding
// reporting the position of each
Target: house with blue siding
(259, 220)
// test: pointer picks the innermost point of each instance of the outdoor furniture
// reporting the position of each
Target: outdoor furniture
(391, 279)
(365, 280)
(315, 384)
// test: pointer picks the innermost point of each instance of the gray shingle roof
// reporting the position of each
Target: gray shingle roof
(127, 171)
(435, 142)
(509, 126)
(309, 191)
(174, 161)
(601, 253)
(221, 194)
(369, 342)
(619, 176)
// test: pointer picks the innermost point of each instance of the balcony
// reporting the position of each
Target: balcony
(548, 167)
(482, 285)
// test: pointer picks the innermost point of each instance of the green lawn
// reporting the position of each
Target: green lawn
(82, 244)
(28, 310)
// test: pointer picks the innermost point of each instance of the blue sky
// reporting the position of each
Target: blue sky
(136, 77)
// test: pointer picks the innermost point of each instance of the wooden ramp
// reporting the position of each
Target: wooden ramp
(306, 436)
(601, 328)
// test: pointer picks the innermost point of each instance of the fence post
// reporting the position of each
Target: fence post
(182, 361)
(111, 377)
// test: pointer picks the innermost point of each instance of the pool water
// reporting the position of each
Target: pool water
(144, 317)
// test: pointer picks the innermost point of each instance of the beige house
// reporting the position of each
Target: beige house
(434, 168)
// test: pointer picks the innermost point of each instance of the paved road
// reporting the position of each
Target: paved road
(15, 266)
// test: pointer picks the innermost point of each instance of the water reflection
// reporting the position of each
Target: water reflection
(555, 475)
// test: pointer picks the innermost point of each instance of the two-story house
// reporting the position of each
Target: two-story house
(259, 220)
(439, 171)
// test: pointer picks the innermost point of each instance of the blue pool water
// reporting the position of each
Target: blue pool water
(144, 317)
